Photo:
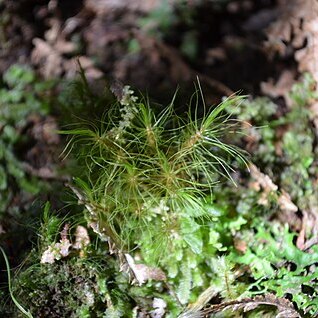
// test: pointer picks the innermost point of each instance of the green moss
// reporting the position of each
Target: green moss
(20, 95)
(148, 180)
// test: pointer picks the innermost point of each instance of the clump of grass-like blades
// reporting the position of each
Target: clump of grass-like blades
(145, 169)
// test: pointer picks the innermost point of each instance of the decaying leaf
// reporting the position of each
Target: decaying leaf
(64, 232)
(2, 231)
(143, 272)
(49, 256)
(281, 88)
(240, 245)
(81, 238)
(49, 55)
(44, 54)
(106, 6)
(308, 228)
(63, 246)
(56, 251)
(285, 203)
(159, 306)
(314, 114)
(297, 28)
(308, 56)
(262, 182)
(193, 310)
(284, 307)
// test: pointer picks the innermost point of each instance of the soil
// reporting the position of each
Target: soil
(228, 40)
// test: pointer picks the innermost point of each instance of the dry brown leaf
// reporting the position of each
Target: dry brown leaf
(49, 55)
(47, 52)
(264, 183)
(64, 232)
(103, 7)
(143, 272)
(240, 245)
(308, 56)
(297, 26)
(81, 238)
(285, 203)
(159, 306)
(215, 55)
(44, 55)
(281, 88)
(309, 226)
(2, 231)
(260, 19)
(287, 211)
(56, 251)
(314, 115)
(49, 256)
(55, 37)
(284, 307)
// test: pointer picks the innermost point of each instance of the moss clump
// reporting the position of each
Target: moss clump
(74, 287)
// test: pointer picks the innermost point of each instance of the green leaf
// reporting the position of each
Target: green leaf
(15, 169)
(260, 266)
(31, 186)
(3, 178)
(184, 288)
(19, 75)
(188, 225)
(191, 234)
(214, 210)
(194, 240)
(10, 133)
